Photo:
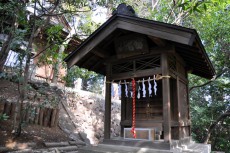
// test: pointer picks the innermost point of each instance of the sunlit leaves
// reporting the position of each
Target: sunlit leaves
(213, 28)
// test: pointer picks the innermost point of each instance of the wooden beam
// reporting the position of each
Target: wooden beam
(100, 53)
(137, 74)
(86, 63)
(110, 39)
(107, 117)
(156, 31)
(153, 52)
(159, 42)
(96, 66)
(166, 99)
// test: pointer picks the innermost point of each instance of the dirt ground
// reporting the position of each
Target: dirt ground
(30, 133)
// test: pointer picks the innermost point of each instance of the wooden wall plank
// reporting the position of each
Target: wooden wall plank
(41, 113)
(54, 111)
(56, 117)
(36, 115)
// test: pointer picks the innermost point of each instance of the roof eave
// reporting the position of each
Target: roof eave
(210, 65)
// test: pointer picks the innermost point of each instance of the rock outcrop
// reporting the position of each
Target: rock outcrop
(86, 111)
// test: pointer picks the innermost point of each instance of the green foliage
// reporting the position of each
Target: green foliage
(75, 72)
(96, 84)
(54, 41)
(54, 34)
(212, 100)
(3, 117)
(87, 26)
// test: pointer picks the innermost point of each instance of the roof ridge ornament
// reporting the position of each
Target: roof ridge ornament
(123, 9)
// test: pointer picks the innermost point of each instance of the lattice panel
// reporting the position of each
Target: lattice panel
(148, 63)
(138, 64)
(122, 67)
(172, 63)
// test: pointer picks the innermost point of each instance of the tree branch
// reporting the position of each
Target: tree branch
(64, 12)
(154, 5)
(202, 85)
(213, 125)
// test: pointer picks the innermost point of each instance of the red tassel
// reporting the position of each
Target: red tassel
(134, 108)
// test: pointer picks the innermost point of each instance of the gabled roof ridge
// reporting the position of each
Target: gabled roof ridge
(174, 33)
(159, 23)
(116, 15)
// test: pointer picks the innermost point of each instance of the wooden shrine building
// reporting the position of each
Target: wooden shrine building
(127, 47)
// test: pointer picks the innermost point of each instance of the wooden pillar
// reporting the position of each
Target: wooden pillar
(123, 108)
(166, 98)
(107, 118)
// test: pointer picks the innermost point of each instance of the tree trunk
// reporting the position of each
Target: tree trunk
(26, 76)
(25, 82)
(23, 88)
(213, 125)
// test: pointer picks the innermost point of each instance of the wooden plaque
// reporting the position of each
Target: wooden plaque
(130, 45)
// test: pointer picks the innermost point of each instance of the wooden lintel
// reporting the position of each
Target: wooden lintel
(137, 74)
(153, 52)
(158, 41)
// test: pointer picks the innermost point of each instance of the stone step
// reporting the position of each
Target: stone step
(64, 149)
(160, 145)
(103, 148)
(21, 151)
(197, 148)
(56, 144)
